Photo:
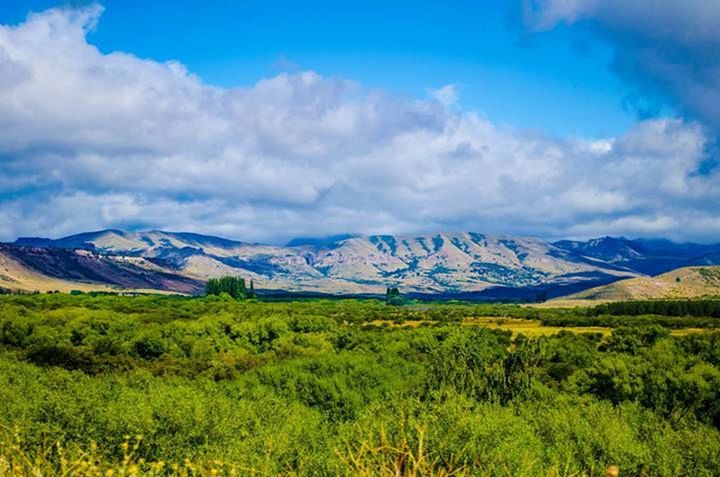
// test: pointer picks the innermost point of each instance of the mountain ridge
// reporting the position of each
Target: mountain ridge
(433, 263)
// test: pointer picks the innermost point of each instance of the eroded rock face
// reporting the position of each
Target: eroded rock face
(92, 267)
(430, 263)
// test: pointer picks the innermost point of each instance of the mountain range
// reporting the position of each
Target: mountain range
(463, 264)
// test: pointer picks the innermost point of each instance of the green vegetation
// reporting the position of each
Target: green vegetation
(233, 286)
(710, 274)
(702, 308)
(347, 387)
(393, 297)
(614, 321)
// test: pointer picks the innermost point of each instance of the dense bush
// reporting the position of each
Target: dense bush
(660, 307)
(335, 387)
(631, 320)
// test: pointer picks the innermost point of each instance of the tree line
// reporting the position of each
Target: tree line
(704, 308)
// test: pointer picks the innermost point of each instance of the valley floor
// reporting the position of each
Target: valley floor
(151, 385)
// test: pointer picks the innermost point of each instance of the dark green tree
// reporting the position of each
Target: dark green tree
(233, 286)
(393, 297)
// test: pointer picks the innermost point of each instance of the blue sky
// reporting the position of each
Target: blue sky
(268, 120)
(549, 82)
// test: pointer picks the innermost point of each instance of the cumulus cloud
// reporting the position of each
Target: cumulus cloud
(91, 140)
(667, 49)
(447, 95)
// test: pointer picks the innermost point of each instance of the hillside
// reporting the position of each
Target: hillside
(441, 263)
(453, 264)
(45, 269)
(687, 282)
(15, 276)
(648, 257)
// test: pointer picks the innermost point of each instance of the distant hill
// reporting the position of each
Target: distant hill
(458, 264)
(15, 276)
(687, 282)
(44, 269)
(649, 257)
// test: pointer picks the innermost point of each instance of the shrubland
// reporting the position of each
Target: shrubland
(190, 386)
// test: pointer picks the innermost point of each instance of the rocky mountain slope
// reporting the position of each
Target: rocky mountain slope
(441, 263)
(687, 282)
(48, 268)
(15, 276)
(649, 257)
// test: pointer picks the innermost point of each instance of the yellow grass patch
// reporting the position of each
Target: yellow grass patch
(530, 328)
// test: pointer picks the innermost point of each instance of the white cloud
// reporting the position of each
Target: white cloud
(91, 140)
(447, 95)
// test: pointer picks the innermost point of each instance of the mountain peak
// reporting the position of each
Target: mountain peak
(81, 240)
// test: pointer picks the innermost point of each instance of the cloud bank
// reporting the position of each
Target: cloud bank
(91, 140)
(667, 49)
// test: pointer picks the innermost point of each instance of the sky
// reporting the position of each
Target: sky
(267, 120)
